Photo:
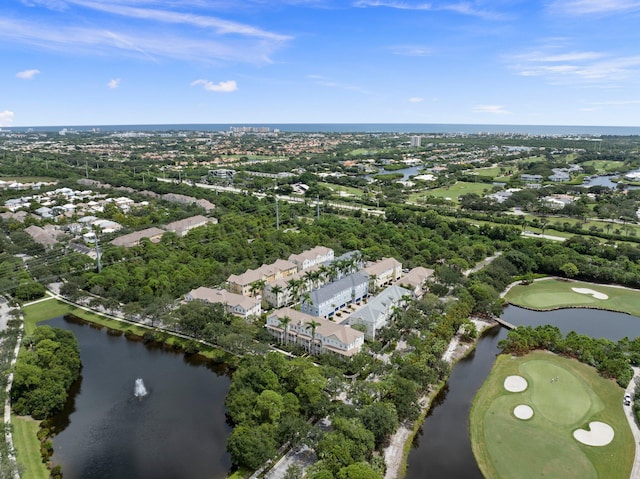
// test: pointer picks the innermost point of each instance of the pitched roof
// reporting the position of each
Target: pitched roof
(326, 328)
(133, 238)
(383, 265)
(380, 304)
(223, 296)
(330, 290)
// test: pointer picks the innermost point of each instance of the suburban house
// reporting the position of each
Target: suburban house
(43, 236)
(243, 283)
(327, 336)
(376, 313)
(415, 279)
(133, 239)
(384, 272)
(182, 227)
(332, 297)
(237, 304)
(312, 257)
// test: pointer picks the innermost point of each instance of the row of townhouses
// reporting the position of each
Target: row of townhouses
(316, 335)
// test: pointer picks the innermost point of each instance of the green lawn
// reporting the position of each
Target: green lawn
(543, 446)
(28, 447)
(555, 294)
(454, 191)
(347, 189)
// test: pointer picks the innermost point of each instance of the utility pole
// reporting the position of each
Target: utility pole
(318, 206)
(277, 214)
(98, 255)
(86, 169)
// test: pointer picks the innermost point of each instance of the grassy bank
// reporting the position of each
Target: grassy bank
(27, 447)
(505, 446)
(555, 294)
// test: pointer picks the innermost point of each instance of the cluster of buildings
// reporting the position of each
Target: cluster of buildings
(334, 295)
(154, 234)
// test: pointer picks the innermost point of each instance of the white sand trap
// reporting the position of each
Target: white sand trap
(600, 434)
(593, 293)
(523, 412)
(515, 384)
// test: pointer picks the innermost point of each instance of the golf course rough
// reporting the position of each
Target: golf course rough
(564, 396)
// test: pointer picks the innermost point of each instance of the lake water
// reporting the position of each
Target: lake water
(442, 448)
(177, 430)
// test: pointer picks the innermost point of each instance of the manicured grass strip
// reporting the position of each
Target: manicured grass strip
(52, 308)
(27, 447)
(555, 294)
(543, 446)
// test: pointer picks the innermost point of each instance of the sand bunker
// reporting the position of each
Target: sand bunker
(515, 384)
(523, 412)
(593, 293)
(600, 434)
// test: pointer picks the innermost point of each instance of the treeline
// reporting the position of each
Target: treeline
(612, 360)
(48, 364)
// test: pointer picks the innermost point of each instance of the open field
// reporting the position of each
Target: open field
(346, 189)
(565, 396)
(556, 294)
(604, 166)
(28, 447)
(458, 189)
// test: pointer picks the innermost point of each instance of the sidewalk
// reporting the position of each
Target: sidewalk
(628, 410)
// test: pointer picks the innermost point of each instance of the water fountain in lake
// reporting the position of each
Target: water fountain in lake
(139, 390)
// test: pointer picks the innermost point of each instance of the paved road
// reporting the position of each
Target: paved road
(628, 410)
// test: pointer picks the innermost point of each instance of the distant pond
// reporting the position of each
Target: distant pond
(176, 430)
(442, 447)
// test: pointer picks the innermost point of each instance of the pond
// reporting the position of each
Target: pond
(442, 447)
(177, 429)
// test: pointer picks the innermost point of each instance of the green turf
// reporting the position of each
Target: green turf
(27, 447)
(543, 446)
(555, 294)
(455, 191)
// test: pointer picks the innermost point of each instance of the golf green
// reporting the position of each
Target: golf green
(564, 395)
(557, 293)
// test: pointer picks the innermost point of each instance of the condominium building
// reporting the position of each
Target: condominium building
(237, 304)
(316, 335)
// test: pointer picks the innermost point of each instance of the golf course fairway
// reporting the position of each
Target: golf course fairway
(568, 422)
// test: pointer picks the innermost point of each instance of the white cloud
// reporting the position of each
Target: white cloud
(416, 99)
(492, 109)
(113, 84)
(587, 68)
(27, 74)
(223, 86)
(411, 50)
(594, 7)
(328, 82)
(140, 42)
(462, 7)
(6, 118)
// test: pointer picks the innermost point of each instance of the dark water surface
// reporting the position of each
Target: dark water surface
(442, 448)
(177, 430)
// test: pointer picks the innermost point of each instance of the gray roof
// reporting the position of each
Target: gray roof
(329, 291)
(380, 304)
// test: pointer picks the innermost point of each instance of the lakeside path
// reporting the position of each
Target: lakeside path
(394, 457)
(628, 410)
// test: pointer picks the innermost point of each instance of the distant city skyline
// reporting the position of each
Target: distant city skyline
(109, 62)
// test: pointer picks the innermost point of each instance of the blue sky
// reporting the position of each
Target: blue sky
(87, 62)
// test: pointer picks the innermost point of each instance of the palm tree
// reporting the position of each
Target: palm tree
(306, 298)
(284, 324)
(313, 324)
(294, 286)
(277, 289)
(543, 225)
(257, 285)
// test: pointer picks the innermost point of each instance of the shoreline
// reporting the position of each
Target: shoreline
(396, 453)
